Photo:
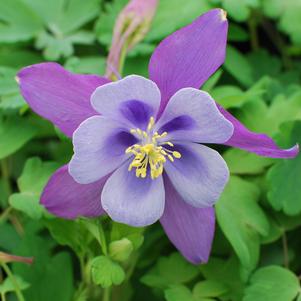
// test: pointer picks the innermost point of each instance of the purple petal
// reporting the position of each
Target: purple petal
(131, 200)
(188, 57)
(190, 229)
(259, 144)
(65, 198)
(199, 176)
(99, 148)
(133, 98)
(192, 115)
(58, 95)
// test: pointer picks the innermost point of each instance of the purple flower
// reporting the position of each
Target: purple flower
(138, 153)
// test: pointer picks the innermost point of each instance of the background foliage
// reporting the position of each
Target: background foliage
(256, 249)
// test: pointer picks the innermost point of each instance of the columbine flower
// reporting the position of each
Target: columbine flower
(137, 142)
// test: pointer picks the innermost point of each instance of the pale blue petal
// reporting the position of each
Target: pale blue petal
(133, 99)
(134, 201)
(99, 148)
(199, 176)
(192, 115)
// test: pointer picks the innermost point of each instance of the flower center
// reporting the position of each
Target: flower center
(150, 153)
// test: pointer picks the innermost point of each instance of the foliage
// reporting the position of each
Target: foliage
(257, 241)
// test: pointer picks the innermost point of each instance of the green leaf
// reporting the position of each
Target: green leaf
(229, 96)
(289, 14)
(9, 238)
(178, 293)
(62, 20)
(89, 64)
(170, 270)
(50, 276)
(106, 272)
(27, 203)
(137, 65)
(239, 67)
(237, 33)
(10, 98)
(17, 21)
(242, 162)
(284, 178)
(233, 97)
(242, 220)
(185, 10)
(69, 233)
(212, 81)
(259, 117)
(240, 10)
(16, 58)
(8, 286)
(227, 273)
(33, 179)
(272, 283)
(14, 133)
(105, 23)
(266, 64)
(209, 288)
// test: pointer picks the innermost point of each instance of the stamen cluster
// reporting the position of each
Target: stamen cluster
(150, 153)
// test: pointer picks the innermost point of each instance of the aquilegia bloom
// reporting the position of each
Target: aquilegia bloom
(138, 152)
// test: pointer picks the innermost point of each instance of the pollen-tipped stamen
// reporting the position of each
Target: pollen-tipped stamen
(150, 153)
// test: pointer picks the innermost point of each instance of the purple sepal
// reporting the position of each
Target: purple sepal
(65, 198)
(190, 229)
(59, 95)
(259, 144)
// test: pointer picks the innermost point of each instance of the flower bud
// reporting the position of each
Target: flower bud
(130, 28)
(5, 258)
(120, 250)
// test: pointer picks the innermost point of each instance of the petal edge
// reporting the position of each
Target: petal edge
(260, 144)
(59, 95)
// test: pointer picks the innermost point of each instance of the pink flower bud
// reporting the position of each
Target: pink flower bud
(130, 28)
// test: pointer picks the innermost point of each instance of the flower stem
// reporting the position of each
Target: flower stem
(5, 175)
(5, 214)
(252, 24)
(12, 278)
(279, 43)
(102, 238)
(3, 298)
(285, 250)
(106, 294)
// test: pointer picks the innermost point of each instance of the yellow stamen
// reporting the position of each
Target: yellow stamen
(150, 153)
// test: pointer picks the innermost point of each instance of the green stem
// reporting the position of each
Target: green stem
(82, 264)
(252, 24)
(12, 278)
(279, 43)
(5, 175)
(132, 267)
(285, 250)
(106, 294)
(5, 214)
(102, 238)
(3, 298)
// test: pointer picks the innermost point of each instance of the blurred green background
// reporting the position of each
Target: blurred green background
(256, 250)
